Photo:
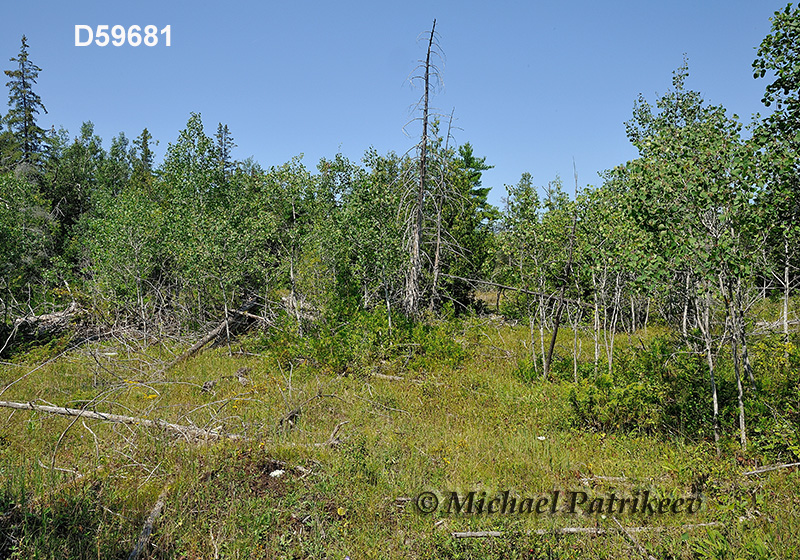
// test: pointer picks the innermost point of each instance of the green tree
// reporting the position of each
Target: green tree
(143, 158)
(71, 183)
(25, 105)
(690, 192)
(778, 55)
(463, 226)
(25, 236)
(225, 146)
(778, 140)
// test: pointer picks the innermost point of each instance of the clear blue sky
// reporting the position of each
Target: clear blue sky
(534, 84)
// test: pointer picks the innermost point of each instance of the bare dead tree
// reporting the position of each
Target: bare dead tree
(429, 71)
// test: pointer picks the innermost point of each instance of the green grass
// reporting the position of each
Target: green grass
(467, 418)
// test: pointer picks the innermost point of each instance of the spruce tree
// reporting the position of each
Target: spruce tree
(143, 159)
(225, 145)
(25, 105)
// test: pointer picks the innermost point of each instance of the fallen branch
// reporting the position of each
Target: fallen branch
(520, 290)
(288, 420)
(582, 531)
(639, 547)
(119, 419)
(332, 440)
(771, 468)
(392, 377)
(775, 325)
(398, 378)
(587, 481)
(214, 333)
(144, 536)
(49, 321)
(36, 326)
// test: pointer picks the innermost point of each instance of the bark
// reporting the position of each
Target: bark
(575, 344)
(685, 321)
(436, 260)
(704, 323)
(614, 318)
(735, 337)
(786, 292)
(739, 388)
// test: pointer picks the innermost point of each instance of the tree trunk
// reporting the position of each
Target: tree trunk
(786, 291)
(437, 256)
(735, 330)
(704, 323)
(415, 266)
(596, 324)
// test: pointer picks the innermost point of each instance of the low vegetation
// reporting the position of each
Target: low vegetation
(342, 431)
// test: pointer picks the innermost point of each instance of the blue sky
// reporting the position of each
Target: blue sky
(533, 85)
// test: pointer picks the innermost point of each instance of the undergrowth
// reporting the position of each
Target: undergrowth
(344, 428)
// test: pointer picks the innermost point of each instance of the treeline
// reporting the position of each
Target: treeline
(692, 234)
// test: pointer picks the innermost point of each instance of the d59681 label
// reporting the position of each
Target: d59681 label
(118, 35)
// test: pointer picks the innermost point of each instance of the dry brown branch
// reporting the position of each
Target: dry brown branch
(589, 480)
(771, 468)
(144, 536)
(120, 419)
(333, 441)
(49, 322)
(520, 290)
(288, 420)
(627, 533)
(582, 530)
(214, 333)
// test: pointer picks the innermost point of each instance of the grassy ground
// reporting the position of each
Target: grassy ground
(462, 419)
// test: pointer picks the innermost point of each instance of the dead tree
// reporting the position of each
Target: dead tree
(413, 280)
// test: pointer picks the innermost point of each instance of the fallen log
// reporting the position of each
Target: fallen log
(646, 555)
(120, 419)
(582, 531)
(47, 322)
(33, 327)
(214, 333)
(192, 431)
(771, 468)
(147, 530)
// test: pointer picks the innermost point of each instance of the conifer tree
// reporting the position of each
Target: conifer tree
(225, 145)
(143, 159)
(25, 104)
